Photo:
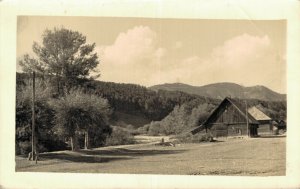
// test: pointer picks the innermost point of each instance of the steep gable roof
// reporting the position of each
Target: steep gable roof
(239, 106)
(258, 114)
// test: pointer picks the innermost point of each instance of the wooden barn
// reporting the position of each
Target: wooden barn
(230, 118)
(265, 122)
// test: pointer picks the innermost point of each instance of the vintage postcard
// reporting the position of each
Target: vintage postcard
(158, 100)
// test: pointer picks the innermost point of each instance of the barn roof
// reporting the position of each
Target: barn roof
(241, 107)
(258, 114)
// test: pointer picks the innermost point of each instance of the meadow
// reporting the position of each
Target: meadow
(263, 156)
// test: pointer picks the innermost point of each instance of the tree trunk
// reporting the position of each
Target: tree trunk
(74, 146)
(86, 140)
(31, 156)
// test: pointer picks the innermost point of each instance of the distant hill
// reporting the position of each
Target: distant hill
(222, 90)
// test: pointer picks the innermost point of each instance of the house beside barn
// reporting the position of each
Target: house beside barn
(230, 118)
(265, 122)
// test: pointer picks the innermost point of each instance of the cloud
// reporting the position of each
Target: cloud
(135, 52)
(244, 59)
(241, 49)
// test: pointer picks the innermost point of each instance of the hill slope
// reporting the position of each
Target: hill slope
(222, 90)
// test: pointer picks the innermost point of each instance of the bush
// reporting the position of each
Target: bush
(155, 128)
(182, 117)
(132, 130)
(98, 135)
(52, 144)
(144, 129)
(23, 147)
(119, 136)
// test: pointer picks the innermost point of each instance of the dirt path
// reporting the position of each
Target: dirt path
(258, 156)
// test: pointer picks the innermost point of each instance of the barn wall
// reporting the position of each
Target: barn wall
(219, 130)
(264, 129)
(235, 130)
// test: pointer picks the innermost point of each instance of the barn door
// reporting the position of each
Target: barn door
(253, 130)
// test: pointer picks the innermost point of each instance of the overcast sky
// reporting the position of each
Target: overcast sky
(155, 51)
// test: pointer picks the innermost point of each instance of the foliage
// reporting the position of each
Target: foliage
(119, 136)
(131, 129)
(23, 147)
(80, 112)
(139, 100)
(275, 110)
(183, 117)
(98, 135)
(144, 129)
(134, 99)
(155, 128)
(63, 54)
(92, 113)
(48, 140)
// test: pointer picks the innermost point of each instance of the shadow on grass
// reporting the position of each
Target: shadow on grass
(128, 152)
(80, 158)
(100, 156)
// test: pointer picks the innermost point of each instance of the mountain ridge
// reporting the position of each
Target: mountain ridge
(224, 89)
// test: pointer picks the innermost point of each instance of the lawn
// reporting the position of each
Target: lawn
(254, 157)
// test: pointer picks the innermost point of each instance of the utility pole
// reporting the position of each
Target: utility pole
(33, 154)
(247, 120)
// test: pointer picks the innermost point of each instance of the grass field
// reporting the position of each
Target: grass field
(254, 157)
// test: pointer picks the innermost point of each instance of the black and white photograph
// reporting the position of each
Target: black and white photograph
(151, 96)
(159, 96)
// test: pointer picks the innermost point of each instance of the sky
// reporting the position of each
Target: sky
(151, 51)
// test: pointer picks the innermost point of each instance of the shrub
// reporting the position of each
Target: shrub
(52, 144)
(155, 128)
(131, 130)
(80, 112)
(144, 129)
(119, 136)
(23, 147)
(182, 117)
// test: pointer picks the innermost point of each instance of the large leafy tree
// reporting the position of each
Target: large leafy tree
(79, 112)
(63, 54)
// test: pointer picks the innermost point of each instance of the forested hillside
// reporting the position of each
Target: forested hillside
(130, 100)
